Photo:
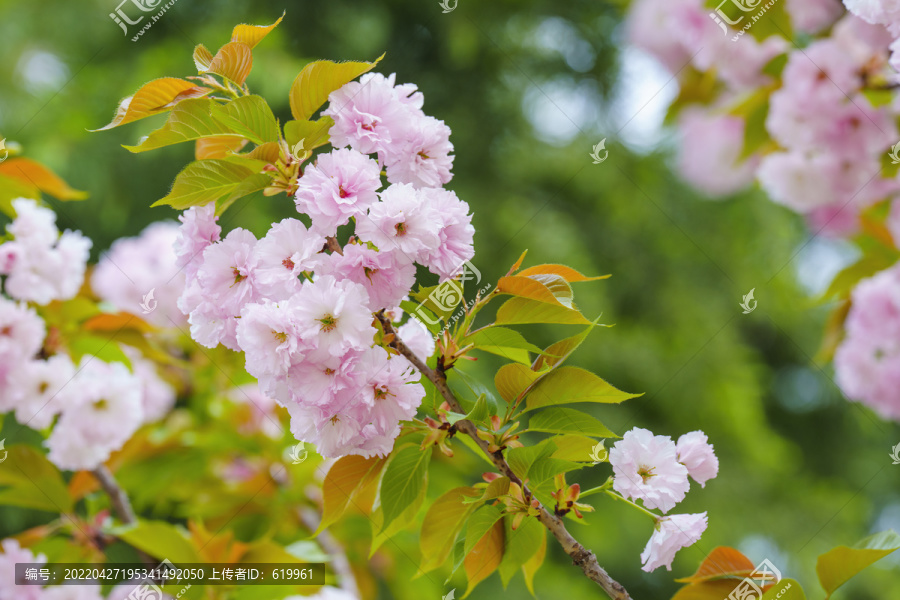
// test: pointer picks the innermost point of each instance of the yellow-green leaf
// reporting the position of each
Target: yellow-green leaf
(29, 480)
(203, 181)
(249, 116)
(568, 420)
(188, 121)
(443, 522)
(567, 273)
(153, 98)
(838, 565)
(534, 563)
(569, 385)
(318, 79)
(33, 173)
(345, 481)
(233, 61)
(786, 589)
(513, 380)
(253, 34)
(485, 556)
(202, 58)
(312, 133)
(404, 477)
(218, 146)
(520, 311)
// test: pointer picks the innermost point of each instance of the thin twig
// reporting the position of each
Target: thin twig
(121, 505)
(339, 561)
(581, 556)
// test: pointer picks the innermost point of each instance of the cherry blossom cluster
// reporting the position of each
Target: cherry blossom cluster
(828, 136)
(94, 407)
(300, 307)
(655, 470)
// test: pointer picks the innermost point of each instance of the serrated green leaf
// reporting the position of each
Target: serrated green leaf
(504, 342)
(569, 385)
(521, 459)
(443, 522)
(838, 565)
(188, 121)
(254, 183)
(312, 133)
(203, 181)
(521, 544)
(249, 116)
(159, 539)
(404, 477)
(521, 311)
(480, 523)
(568, 420)
(318, 79)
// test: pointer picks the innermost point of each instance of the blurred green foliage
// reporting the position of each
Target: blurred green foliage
(802, 470)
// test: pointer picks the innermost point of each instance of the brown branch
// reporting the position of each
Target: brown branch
(332, 244)
(121, 505)
(581, 556)
(339, 561)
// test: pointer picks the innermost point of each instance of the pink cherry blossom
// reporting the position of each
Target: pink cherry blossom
(281, 257)
(697, 454)
(342, 184)
(35, 388)
(710, 152)
(386, 276)
(13, 553)
(368, 114)
(401, 221)
(332, 316)
(269, 336)
(455, 233)
(422, 156)
(671, 535)
(645, 467)
(198, 230)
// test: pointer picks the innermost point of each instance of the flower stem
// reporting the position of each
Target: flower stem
(653, 516)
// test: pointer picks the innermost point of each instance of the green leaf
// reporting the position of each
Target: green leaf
(158, 539)
(838, 565)
(513, 380)
(557, 353)
(520, 311)
(495, 489)
(568, 420)
(573, 447)
(521, 459)
(521, 544)
(312, 133)
(786, 589)
(443, 522)
(29, 480)
(534, 563)
(10, 189)
(382, 533)
(775, 66)
(569, 385)
(249, 116)
(546, 468)
(254, 183)
(318, 79)
(203, 181)
(404, 476)
(480, 523)
(344, 482)
(189, 120)
(537, 287)
(504, 342)
(479, 412)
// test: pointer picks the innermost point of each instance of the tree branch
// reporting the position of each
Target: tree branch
(581, 556)
(339, 561)
(121, 505)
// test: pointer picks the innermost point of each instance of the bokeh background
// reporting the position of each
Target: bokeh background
(528, 87)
